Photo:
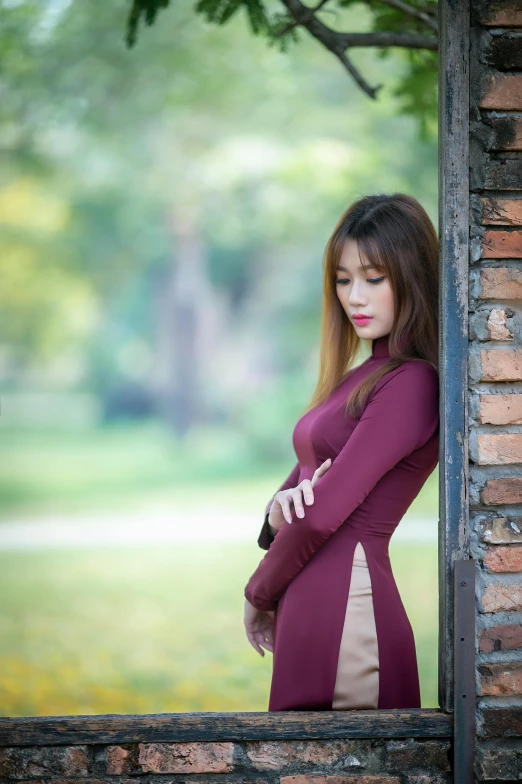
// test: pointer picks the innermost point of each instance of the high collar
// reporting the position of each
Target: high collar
(380, 347)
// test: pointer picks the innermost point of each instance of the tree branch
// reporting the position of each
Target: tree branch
(371, 91)
(408, 9)
(337, 43)
(309, 13)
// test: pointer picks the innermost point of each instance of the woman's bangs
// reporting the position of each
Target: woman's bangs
(336, 251)
(372, 250)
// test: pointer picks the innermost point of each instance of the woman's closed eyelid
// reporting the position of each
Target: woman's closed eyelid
(369, 280)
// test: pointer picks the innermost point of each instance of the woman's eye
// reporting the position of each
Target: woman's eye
(370, 280)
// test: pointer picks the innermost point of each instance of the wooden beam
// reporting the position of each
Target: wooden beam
(454, 541)
(188, 727)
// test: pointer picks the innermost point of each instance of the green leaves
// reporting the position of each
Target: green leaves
(148, 9)
(218, 11)
(215, 11)
(416, 88)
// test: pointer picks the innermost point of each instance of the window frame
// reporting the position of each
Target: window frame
(454, 717)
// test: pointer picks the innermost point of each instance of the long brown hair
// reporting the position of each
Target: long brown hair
(396, 235)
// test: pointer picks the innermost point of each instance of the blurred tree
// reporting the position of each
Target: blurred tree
(410, 25)
(194, 180)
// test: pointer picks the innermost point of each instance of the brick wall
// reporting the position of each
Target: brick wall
(255, 762)
(294, 747)
(495, 376)
(407, 748)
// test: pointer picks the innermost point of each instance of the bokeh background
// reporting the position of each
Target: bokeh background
(163, 214)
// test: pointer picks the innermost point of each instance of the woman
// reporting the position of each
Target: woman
(324, 598)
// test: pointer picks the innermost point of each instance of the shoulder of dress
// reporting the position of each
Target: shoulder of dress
(416, 373)
(420, 367)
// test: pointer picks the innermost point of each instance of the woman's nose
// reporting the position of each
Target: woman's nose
(355, 298)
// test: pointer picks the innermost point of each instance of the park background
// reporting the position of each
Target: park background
(164, 210)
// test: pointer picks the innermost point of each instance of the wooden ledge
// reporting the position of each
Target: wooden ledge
(194, 727)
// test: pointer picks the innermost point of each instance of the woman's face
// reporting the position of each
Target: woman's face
(364, 291)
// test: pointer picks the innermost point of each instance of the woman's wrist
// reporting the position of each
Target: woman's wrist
(271, 529)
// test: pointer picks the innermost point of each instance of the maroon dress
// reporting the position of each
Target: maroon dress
(342, 639)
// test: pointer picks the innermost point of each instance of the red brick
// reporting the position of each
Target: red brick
(503, 449)
(34, 761)
(506, 558)
(502, 174)
(501, 212)
(319, 779)
(274, 755)
(501, 13)
(500, 722)
(497, 329)
(500, 679)
(82, 780)
(507, 637)
(197, 757)
(425, 780)
(500, 283)
(501, 364)
(498, 764)
(409, 756)
(502, 491)
(500, 409)
(192, 780)
(502, 91)
(122, 759)
(499, 597)
(497, 244)
(506, 133)
(501, 530)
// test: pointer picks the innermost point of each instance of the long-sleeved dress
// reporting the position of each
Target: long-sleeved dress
(342, 639)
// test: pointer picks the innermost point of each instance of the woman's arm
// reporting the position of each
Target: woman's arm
(402, 414)
(266, 537)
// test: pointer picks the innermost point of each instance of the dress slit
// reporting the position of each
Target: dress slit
(357, 678)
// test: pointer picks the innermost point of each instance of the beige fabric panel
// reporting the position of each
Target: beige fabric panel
(357, 680)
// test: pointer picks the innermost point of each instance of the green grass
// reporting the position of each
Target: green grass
(45, 471)
(157, 629)
(67, 472)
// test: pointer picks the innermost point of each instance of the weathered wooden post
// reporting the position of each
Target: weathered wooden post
(476, 733)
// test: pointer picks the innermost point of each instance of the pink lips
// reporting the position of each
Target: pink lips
(362, 319)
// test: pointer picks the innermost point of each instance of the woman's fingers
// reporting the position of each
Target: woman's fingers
(252, 638)
(269, 637)
(307, 491)
(323, 468)
(298, 502)
(285, 506)
(304, 489)
(261, 638)
(266, 642)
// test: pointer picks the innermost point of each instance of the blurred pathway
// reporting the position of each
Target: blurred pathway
(126, 529)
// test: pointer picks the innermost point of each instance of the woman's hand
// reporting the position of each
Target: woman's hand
(280, 509)
(259, 626)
